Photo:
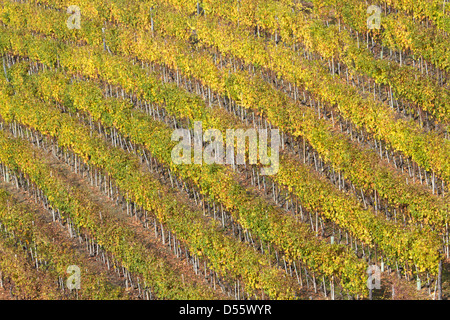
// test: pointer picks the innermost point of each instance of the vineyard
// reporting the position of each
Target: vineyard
(93, 205)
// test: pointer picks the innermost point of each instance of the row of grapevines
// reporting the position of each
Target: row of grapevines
(225, 255)
(435, 10)
(28, 227)
(429, 150)
(28, 282)
(116, 238)
(336, 42)
(399, 31)
(272, 15)
(30, 15)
